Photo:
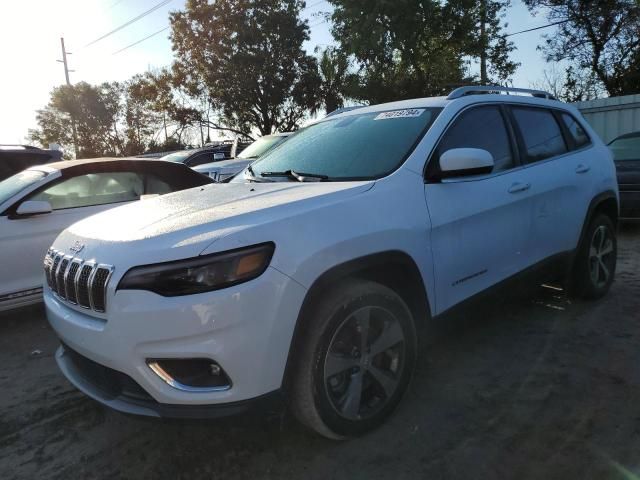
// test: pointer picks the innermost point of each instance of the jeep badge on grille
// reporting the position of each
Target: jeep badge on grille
(76, 247)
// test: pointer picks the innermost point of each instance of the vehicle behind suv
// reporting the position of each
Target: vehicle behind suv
(224, 170)
(309, 274)
(15, 158)
(209, 153)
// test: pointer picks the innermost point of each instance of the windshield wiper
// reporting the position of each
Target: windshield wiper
(252, 176)
(299, 176)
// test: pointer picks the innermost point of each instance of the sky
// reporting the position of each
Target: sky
(30, 32)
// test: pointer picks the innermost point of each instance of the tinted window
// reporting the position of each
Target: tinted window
(580, 137)
(481, 127)
(155, 185)
(367, 145)
(540, 132)
(626, 148)
(93, 189)
(201, 159)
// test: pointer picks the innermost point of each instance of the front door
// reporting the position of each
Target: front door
(480, 224)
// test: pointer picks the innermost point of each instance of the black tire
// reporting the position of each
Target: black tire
(585, 282)
(336, 323)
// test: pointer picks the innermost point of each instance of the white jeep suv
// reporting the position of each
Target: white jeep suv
(310, 273)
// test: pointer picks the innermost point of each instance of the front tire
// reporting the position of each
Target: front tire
(595, 262)
(356, 360)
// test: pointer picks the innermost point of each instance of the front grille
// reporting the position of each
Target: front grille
(76, 281)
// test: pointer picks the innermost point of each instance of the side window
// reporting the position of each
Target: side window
(93, 189)
(157, 186)
(540, 132)
(580, 137)
(481, 127)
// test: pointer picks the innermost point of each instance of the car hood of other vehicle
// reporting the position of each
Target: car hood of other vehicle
(184, 224)
(233, 164)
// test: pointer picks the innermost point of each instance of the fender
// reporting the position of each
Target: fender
(395, 269)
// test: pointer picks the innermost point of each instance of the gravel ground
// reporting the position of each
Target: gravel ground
(534, 387)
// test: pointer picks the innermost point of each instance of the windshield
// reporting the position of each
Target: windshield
(18, 182)
(178, 157)
(261, 146)
(364, 146)
(626, 148)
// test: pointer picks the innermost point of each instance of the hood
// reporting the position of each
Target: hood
(235, 164)
(183, 224)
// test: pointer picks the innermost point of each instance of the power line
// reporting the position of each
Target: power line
(536, 28)
(133, 20)
(319, 23)
(142, 40)
(313, 5)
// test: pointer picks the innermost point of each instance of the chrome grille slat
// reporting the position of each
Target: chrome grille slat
(76, 281)
(69, 280)
(83, 285)
(60, 274)
(54, 270)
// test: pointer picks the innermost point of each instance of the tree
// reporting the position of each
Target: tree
(483, 38)
(335, 78)
(568, 86)
(248, 55)
(414, 48)
(95, 110)
(600, 37)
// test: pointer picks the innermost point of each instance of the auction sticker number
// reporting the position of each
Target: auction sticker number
(407, 113)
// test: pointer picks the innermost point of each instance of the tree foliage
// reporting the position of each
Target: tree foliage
(601, 37)
(95, 110)
(248, 56)
(112, 119)
(414, 48)
(336, 79)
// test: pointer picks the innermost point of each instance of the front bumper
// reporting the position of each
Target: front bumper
(247, 329)
(120, 392)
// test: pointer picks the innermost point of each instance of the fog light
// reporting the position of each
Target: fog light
(191, 374)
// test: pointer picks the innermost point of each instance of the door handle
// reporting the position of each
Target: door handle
(519, 187)
(581, 168)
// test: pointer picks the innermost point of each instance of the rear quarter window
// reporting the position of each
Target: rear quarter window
(580, 137)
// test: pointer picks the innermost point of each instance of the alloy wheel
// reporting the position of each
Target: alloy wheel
(364, 362)
(601, 256)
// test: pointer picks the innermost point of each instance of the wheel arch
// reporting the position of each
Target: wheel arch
(395, 269)
(605, 202)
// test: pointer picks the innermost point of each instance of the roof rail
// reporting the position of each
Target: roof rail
(475, 89)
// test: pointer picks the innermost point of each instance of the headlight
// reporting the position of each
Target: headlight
(200, 274)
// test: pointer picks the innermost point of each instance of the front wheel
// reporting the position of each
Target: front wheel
(356, 360)
(595, 262)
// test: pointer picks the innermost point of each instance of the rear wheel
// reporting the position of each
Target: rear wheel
(356, 360)
(595, 262)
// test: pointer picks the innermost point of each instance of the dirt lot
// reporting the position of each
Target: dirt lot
(533, 388)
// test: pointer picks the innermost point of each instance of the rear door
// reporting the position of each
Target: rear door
(480, 224)
(559, 169)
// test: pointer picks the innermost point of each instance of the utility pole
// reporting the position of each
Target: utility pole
(66, 76)
(483, 42)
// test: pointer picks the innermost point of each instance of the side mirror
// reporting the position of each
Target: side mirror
(33, 207)
(459, 162)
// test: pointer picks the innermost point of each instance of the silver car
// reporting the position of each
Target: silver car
(223, 170)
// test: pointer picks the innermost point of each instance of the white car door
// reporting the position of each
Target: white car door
(25, 240)
(480, 224)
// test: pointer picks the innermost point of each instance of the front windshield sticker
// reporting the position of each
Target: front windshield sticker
(411, 112)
